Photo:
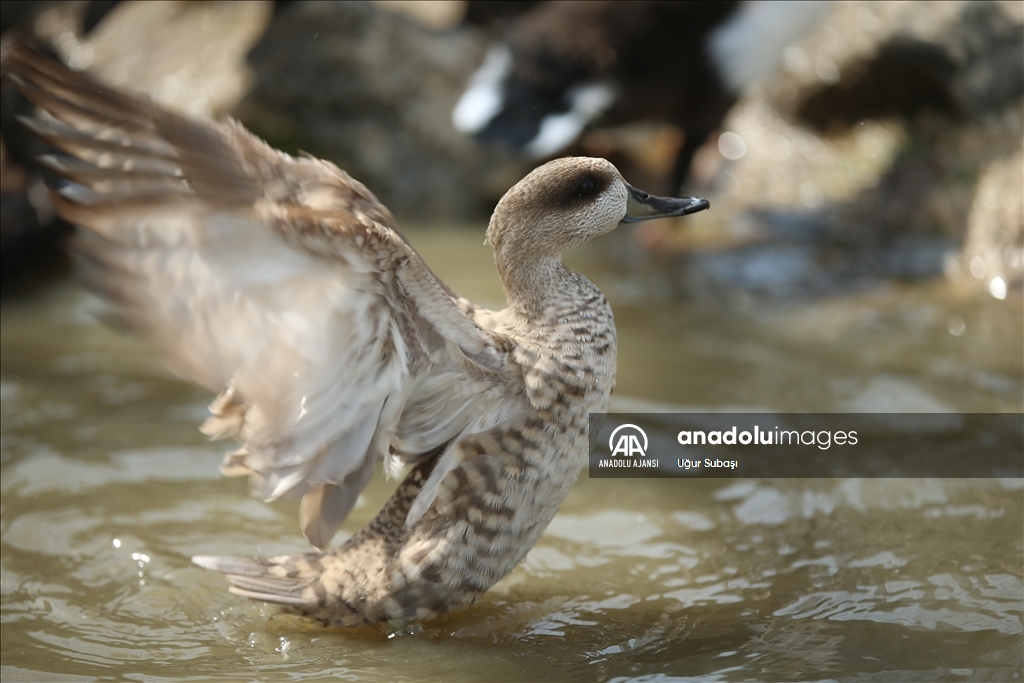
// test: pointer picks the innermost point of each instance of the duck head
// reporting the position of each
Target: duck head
(557, 207)
(567, 202)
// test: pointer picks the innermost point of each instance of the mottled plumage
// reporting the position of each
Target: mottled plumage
(283, 284)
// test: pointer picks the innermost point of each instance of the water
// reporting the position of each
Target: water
(108, 489)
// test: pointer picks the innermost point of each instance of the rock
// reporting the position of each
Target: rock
(835, 189)
(187, 55)
(31, 235)
(373, 90)
(993, 253)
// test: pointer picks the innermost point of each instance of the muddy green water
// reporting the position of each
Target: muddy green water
(108, 489)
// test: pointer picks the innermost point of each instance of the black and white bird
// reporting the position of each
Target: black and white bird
(567, 65)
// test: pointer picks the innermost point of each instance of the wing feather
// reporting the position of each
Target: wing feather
(281, 283)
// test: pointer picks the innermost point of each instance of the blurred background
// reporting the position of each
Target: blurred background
(863, 161)
(864, 253)
(869, 141)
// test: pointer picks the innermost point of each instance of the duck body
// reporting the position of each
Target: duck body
(494, 491)
(284, 285)
(471, 509)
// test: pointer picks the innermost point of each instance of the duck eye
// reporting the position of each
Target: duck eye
(588, 187)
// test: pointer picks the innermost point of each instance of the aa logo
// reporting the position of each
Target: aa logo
(625, 440)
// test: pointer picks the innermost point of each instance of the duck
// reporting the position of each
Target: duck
(285, 287)
(565, 66)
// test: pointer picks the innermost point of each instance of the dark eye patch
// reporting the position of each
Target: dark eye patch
(583, 188)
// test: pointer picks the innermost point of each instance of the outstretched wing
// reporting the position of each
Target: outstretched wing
(281, 283)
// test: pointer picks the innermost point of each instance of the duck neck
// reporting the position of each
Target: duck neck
(531, 284)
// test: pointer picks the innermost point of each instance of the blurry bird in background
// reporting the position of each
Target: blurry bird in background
(564, 66)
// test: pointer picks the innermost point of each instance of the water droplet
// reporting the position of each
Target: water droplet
(796, 59)
(826, 70)
(167, 89)
(732, 146)
(81, 57)
(997, 288)
(978, 267)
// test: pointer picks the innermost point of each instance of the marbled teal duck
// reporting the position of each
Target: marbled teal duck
(284, 285)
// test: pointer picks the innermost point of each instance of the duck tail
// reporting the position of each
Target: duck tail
(290, 580)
